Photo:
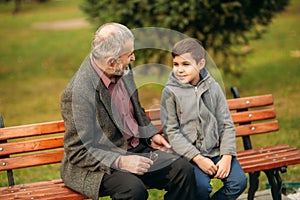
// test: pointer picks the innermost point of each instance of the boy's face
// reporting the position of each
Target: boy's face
(186, 69)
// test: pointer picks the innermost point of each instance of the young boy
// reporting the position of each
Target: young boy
(198, 123)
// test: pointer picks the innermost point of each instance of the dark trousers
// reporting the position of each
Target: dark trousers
(169, 172)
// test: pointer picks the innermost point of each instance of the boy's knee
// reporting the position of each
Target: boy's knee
(239, 185)
(244, 183)
(204, 190)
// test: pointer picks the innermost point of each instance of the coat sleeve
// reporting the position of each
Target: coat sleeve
(85, 144)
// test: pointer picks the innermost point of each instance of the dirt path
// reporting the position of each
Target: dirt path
(62, 25)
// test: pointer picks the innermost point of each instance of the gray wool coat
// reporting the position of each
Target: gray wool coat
(94, 137)
(196, 119)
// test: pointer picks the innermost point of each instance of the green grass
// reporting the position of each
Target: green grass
(36, 64)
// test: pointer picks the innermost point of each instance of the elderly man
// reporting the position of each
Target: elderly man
(111, 147)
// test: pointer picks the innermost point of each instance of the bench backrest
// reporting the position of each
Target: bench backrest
(42, 143)
(251, 115)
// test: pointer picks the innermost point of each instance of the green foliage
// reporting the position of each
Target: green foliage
(222, 26)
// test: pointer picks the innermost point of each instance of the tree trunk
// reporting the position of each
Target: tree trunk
(17, 6)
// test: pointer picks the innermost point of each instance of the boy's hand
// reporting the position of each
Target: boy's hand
(206, 164)
(223, 167)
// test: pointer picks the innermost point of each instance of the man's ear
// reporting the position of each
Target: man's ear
(110, 61)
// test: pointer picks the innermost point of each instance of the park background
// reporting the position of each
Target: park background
(39, 54)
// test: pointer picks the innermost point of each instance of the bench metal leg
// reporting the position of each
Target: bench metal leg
(275, 183)
(254, 181)
(10, 175)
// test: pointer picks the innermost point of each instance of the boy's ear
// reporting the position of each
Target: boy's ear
(202, 63)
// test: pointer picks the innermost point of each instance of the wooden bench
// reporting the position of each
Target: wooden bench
(33, 145)
(42, 144)
(256, 115)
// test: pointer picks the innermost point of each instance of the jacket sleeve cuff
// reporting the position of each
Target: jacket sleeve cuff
(116, 163)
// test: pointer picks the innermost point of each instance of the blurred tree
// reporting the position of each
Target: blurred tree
(225, 27)
(18, 3)
(17, 6)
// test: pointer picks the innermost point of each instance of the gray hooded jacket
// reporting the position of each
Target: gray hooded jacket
(196, 119)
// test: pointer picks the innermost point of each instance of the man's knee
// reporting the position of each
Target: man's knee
(132, 191)
(138, 191)
(184, 167)
(122, 185)
(181, 173)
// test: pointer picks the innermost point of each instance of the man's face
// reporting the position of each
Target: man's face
(123, 61)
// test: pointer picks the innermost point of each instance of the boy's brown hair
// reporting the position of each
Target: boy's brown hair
(189, 45)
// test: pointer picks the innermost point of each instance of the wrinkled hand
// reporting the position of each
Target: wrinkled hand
(223, 167)
(135, 164)
(159, 142)
(206, 164)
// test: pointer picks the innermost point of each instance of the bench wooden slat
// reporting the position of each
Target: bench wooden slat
(250, 102)
(159, 127)
(31, 145)
(257, 128)
(258, 151)
(253, 115)
(153, 114)
(49, 192)
(266, 161)
(9, 189)
(249, 129)
(68, 197)
(39, 192)
(272, 164)
(32, 130)
(270, 159)
(31, 160)
(268, 155)
(54, 189)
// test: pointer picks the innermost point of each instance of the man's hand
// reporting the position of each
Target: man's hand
(135, 164)
(223, 167)
(159, 142)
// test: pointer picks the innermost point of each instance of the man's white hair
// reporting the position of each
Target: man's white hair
(109, 41)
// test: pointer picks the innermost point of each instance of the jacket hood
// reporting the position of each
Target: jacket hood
(173, 81)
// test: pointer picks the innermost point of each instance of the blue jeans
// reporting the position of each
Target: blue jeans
(233, 185)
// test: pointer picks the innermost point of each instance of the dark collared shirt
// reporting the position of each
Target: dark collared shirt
(122, 104)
